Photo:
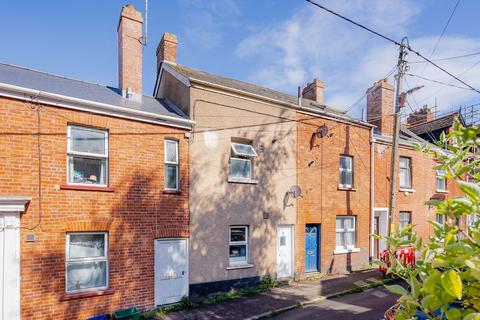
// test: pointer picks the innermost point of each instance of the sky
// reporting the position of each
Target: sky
(281, 44)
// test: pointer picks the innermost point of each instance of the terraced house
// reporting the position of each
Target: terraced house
(93, 191)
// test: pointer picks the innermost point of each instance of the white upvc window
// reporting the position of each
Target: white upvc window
(346, 172)
(238, 245)
(86, 263)
(87, 156)
(440, 218)
(171, 165)
(472, 220)
(441, 180)
(346, 233)
(241, 160)
(405, 173)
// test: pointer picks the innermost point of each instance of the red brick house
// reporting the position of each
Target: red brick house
(93, 191)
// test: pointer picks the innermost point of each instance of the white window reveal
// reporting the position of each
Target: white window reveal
(405, 173)
(346, 172)
(441, 180)
(346, 234)
(86, 261)
(87, 153)
(241, 161)
(238, 246)
(171, 164)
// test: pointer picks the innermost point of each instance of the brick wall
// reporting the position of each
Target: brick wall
(322, 200)
(134, 214)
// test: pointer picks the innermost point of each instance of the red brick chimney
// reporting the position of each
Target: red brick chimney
(380, 98)
(420, 116)
(167, 49)
(130, 51)
(314, 91)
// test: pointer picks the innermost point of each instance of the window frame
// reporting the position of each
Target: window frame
(344, 231)
(69, 260)
(351, 171)
(409, 168)
(236, 243)
(238, 156)
(71, 154)
(167, 164)
(443, 218)
(441, 177)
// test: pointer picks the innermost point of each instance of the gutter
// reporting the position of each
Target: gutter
(98, 107)
(293, 106)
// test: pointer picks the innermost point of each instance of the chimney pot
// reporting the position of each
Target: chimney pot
(167, 49)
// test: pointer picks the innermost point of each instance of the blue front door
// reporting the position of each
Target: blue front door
(311, 247)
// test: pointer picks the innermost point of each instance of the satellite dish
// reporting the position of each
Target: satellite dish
(321, 131)
(295, 191)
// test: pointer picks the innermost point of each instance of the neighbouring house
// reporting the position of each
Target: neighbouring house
(242, 175)
(94, 187)
(423, 123)
(418, 180)
(334, 172)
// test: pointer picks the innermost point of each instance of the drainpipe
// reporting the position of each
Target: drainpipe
(372, 193)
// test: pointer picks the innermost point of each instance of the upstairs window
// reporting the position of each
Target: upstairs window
(405, 173)
(441, 180)
(238, 245)
(171, 165)
(87, 152)
(346, 233)
(86, 261)
(241, 160)
(346, 172)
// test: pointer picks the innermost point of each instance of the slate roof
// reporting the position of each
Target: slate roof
(435, 124)
(36, 80)
(255, 89)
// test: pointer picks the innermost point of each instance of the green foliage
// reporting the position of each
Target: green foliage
(448, 264)
(267, 283)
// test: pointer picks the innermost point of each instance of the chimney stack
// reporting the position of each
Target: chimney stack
(380, 98)
(167, 49)
(130, 52)
(420, 116)
(314, 91)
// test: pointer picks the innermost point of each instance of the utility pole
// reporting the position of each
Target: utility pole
(399, 103)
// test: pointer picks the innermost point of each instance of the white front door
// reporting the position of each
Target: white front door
(171, 270)
(284, 251)
(9, 266)
(381, 215)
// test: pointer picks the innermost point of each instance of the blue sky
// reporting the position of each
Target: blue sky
(276, 43)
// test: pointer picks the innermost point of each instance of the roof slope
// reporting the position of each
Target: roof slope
(436, 124)
(254, 89)
(36, 80)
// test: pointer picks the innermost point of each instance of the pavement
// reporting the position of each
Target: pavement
(281, 299)
(365, 305)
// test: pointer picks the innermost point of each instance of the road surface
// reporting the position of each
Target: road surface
(370, 304)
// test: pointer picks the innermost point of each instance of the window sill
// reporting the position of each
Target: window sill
(240, 180)
(343, 251)
(407, 190)
(240, 266)
(443, 191)
(86, 188)
(171, 191)
(340, 188)
(87, 294)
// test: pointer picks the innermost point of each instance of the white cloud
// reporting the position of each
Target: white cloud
(313, 43)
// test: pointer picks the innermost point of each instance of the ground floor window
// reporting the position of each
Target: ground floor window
(440, 218)
(86, 261)
(238, 245)
(346, 232)
(405, 220)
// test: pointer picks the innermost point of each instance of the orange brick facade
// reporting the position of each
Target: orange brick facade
(322, 200)
(134, 213)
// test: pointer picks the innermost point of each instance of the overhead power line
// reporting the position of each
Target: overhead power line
(450, 58)
(394, 42)
(436, 81)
